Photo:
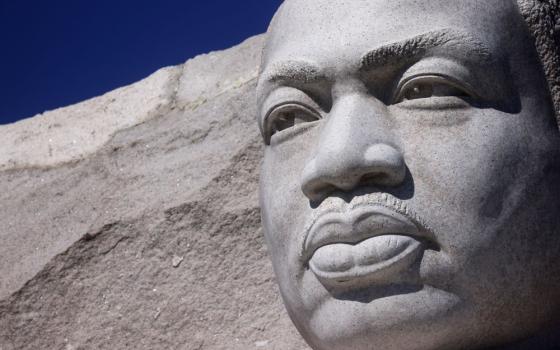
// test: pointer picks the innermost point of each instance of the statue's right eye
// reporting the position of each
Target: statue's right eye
(432, 86)
(288, 116)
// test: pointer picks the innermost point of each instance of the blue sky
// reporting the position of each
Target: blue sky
(59, 52)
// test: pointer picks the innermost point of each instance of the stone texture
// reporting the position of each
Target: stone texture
(131, 221)
(409, 185)
(543, 18)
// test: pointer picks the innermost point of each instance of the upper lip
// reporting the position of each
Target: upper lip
(370, 217)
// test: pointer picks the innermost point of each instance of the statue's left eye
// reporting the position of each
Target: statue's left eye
(288, 116)
(430, 86)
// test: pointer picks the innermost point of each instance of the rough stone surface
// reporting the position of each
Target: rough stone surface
(543, 18)
(131, 221)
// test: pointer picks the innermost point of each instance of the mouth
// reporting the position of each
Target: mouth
(364, 245)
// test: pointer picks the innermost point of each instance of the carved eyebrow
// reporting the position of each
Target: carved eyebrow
(294, 71)
(419, 45)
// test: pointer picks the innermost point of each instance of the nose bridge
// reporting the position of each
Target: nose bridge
(356, 143)
(355, 122)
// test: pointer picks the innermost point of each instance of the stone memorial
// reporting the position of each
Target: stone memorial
(409, 160)
(410, 187)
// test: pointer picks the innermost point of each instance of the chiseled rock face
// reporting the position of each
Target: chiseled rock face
(131, 220)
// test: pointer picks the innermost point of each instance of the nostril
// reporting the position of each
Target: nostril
(317, 190)
(386, 178)
(374, 178)
(383, 165)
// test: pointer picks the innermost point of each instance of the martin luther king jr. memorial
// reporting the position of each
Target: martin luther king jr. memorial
(368, 174)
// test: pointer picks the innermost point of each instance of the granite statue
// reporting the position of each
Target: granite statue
(410, 187)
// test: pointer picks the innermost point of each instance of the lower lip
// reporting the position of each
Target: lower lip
(377, 260)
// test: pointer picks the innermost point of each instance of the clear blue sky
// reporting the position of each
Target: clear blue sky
(58, 52)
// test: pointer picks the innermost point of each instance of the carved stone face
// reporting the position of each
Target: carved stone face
(410, 187)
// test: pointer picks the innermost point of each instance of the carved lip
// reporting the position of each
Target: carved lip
(366, 221)
(360, 222)
(386, 271)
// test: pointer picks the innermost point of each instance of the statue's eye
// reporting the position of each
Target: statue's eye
(431, 86)
(288, 116)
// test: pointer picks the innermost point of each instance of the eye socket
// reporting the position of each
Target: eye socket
(287, 116)
(427, 86)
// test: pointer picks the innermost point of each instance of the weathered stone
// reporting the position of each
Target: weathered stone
(410, 191)
(97, 199)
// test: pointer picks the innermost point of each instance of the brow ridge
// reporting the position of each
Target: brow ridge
(421, 44)
(295, 71)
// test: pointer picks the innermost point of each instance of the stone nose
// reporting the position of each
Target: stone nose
(355, 147)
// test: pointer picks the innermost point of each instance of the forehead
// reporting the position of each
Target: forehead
(331, 32)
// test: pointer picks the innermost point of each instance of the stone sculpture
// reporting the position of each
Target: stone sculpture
(410, 185)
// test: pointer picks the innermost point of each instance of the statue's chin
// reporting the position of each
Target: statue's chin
(392, 317)
(409, 317)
